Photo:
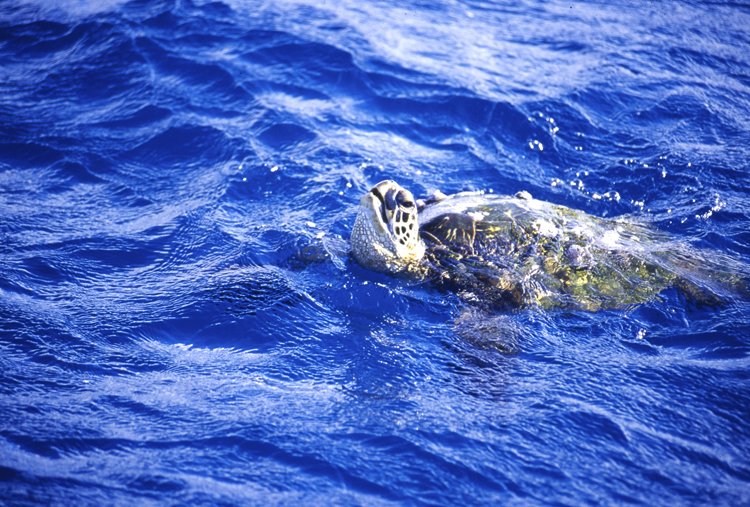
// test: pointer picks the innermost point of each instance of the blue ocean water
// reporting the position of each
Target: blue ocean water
(162, 162)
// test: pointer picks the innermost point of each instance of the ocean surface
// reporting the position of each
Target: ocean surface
(164, 163)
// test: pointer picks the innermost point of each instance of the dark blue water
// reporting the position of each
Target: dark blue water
(162, 162)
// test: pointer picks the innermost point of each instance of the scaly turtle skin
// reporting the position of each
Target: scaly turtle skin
(503, 252)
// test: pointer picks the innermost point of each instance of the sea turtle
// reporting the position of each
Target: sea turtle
(507, 252)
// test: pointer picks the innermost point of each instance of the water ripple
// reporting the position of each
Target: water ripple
(180, 321)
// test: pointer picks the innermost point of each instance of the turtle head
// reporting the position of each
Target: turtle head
(385, 236)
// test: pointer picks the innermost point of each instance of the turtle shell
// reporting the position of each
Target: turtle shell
(501, 252)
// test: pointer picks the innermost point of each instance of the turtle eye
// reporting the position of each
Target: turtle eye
(391, 200)
(404, 200)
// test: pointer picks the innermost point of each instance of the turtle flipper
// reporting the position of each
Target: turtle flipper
(496, 332)
(700, 296)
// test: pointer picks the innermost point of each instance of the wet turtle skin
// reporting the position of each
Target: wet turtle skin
(499, 252)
